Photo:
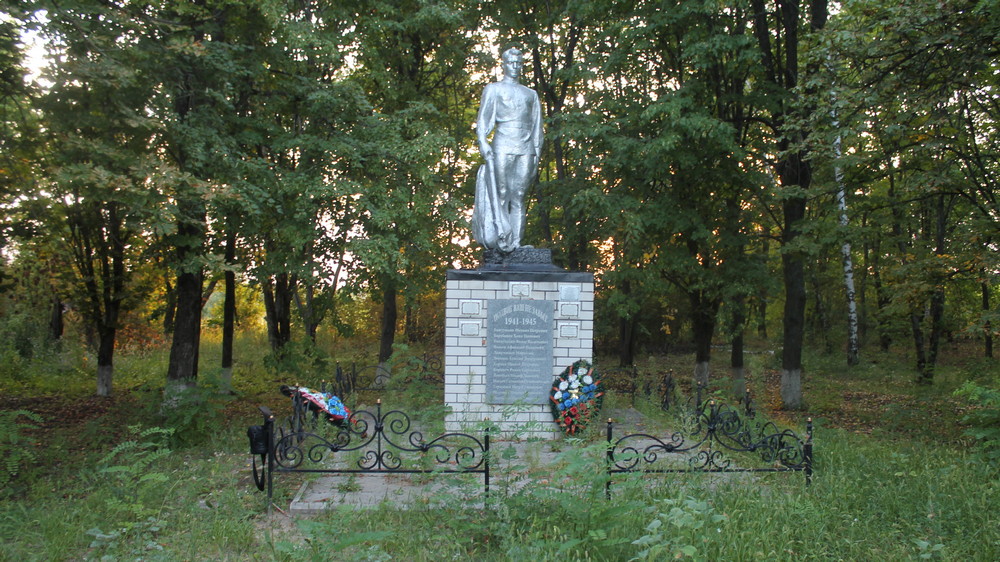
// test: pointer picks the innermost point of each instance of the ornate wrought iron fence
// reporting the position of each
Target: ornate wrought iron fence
(718, 431)
(353, 379)
(628, 381)
(379, 441)
(348, 380)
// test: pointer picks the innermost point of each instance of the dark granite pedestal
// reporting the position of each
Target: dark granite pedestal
(521, 259)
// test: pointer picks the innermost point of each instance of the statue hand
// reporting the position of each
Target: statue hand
(486, 151)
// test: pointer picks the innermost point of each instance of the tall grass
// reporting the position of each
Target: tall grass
(869, 501)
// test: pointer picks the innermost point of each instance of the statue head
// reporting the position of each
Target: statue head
(513, 60)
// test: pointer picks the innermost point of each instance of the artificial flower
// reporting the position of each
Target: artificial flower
(575, 397)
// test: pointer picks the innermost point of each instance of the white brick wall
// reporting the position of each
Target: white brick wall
(465, 356)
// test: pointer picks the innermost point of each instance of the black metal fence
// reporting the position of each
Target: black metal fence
(349, 379)
(365, 443)
(719, 438)
(718, 432)
(628, 381)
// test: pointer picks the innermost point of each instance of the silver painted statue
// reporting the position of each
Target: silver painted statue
(513, 114)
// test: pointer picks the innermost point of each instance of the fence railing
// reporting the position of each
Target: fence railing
(349, 379)
(718, 431)
(719, 438)
(365, 443)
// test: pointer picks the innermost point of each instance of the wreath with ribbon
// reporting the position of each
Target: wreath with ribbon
(576, 396)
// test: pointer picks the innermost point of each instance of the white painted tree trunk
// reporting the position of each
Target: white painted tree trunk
(701, 372)
(791, 389)
(853, 343)
(104, 377)
(226, 380)
(739, 379)
(173, 393)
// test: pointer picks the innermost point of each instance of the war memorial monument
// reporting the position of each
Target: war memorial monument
(517, 320)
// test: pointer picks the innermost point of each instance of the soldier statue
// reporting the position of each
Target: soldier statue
(513, 114)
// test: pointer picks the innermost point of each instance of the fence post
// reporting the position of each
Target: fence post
(269, 431)
(808, 451)
(486, 452)
(609, 459)
(378, 432)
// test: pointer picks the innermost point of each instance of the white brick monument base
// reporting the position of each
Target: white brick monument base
(476, 390)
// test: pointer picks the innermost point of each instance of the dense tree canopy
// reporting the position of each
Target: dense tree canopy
(321, 151)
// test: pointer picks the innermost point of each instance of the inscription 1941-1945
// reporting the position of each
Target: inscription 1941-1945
(519, 351)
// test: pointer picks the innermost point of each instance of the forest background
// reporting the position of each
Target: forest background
(200, 197)
(720, 167)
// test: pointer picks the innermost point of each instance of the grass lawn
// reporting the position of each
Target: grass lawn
(102, 479)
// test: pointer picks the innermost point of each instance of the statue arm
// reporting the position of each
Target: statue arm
(486, 121)
(536, 120)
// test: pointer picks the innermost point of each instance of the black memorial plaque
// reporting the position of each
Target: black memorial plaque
(519, 351)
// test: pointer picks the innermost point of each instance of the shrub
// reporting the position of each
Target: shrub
(984, 419)
(192, 414)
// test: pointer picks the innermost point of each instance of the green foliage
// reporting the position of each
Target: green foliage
(15, 449)
(299, 361)
(192, 415)
(677, 528)
(22, 337)
(984, 418)
(128, 469)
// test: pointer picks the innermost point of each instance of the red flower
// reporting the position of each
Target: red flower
(573, 411)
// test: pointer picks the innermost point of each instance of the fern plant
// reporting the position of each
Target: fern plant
(130, 469)
(14, 448)
(130, 478)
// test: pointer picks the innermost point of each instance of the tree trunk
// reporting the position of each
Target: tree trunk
(307, 310)
(626, 341)
(822, 320)
(795, 305)
(56, 323)
(853, 345)
(105, 359)
(410, 321)
(937, 299)
(882, 299)
(762, 297)
(703, 314)
(389, 318)
(626, 333)
(934, 340)
(988, 328)
(169, 306)
(762, 317)
(182, 372)
(270, 317)
(278, 309)
(228, 331)
(284, 287)
(737, 370)
(779, 50)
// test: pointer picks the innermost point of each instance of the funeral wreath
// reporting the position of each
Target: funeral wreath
(575, 397)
